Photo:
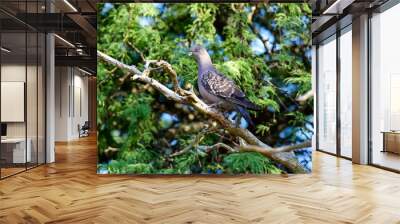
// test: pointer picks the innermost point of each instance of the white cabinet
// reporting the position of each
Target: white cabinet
(19, 154)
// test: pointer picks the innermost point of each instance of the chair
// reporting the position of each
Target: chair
(84, 130)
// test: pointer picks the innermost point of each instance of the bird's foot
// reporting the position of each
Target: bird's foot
(238, 120)
(215, 105)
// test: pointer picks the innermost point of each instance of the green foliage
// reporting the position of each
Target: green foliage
(184, 163)
(202, 26)
(133, 137)
(262, 129)
(137, 156)
(240, 71)
(122, 167)
(132, 125)
(298, 119)
(249, 162)
(302, 79)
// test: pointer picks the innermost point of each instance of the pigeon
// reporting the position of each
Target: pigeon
(218, 90)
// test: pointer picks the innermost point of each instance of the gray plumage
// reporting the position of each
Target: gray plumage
(217, 89)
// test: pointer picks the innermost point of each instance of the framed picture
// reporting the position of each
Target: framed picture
(204, 88)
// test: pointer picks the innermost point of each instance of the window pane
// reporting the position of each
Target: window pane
(41, 98)
(327, 96)
(31, 97)
(22, 87)
(346, 94)
(15, 150)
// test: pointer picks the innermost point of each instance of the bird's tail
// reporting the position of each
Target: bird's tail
(245, 115)
(246, 103)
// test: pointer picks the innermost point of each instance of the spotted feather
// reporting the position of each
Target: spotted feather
(220, 85)
(224, 87)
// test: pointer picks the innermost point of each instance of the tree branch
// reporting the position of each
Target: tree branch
(305, 96)
(199, 137)
(287, 148)
(180, 95)
(219, 145)
(280, 154)
(136, 49)
(172, 74)
(117, 63)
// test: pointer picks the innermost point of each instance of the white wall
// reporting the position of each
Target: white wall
(61, 103)
(33, 127)
(10, 73)
(71, 102)
(80, 96)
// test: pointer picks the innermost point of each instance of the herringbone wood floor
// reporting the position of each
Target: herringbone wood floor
(69, 191)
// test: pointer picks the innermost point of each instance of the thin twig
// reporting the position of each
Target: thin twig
(217, 146)
(199, 137)
(305, 96)
(136, 49)
(286, 148)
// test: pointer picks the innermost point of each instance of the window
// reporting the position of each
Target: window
(327, 96)
(22, 101)
(385, 89)
(346, 93)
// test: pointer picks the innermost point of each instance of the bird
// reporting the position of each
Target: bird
(218, 90)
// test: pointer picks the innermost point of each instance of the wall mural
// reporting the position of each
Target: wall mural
(204, 88)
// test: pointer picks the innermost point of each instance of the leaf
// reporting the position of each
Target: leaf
(249, 162)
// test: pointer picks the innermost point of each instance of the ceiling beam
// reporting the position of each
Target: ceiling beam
(78, 61)
(89, 30)
(337, 7)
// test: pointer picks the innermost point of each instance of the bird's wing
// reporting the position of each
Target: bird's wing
(224, 87)
(219, 85)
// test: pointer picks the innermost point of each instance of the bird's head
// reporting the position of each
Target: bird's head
(198, 52)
